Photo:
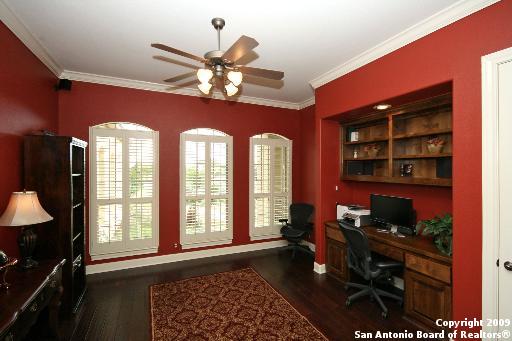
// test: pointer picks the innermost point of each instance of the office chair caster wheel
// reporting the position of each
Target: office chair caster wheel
(348, 303)
(384, 315)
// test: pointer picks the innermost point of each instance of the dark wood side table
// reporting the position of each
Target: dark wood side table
(30, 292)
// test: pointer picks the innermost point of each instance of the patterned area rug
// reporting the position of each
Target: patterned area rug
(235, 305)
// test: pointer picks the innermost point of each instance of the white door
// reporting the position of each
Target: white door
(497, 194)
(505, 196)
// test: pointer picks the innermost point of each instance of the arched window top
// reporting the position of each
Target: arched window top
(205, 131)
(123, 126)
(270, 136)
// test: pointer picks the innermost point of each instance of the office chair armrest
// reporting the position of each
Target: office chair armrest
(389, 265)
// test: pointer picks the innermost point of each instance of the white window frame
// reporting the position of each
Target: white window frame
(259, 233)
(125, 247)
(208, 238)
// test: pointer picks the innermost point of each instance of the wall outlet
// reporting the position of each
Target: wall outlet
(175, 245)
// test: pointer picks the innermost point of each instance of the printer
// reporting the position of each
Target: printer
(353, 214)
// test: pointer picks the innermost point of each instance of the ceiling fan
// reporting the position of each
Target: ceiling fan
(222, 64)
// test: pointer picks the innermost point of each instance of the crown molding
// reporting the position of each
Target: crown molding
(20, 30)
(443, 18)
(306, 103)
(150, 86)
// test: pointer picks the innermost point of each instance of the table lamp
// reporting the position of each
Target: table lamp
(24, 210)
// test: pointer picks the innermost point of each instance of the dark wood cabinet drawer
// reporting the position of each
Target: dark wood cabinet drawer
(334, 233)
(386, 250)
(337, 260)
(428, 267)
(427, 299)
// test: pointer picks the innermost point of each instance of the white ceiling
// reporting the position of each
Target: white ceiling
(305, 39)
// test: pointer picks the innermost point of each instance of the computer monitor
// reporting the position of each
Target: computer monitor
(391, 210)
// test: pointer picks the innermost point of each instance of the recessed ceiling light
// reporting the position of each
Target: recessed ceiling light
(382, 106)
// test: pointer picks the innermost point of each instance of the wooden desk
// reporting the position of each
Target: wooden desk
(427, 272)
(30, 292)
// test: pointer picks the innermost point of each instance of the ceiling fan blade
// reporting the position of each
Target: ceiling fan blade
(180, 77)
(254, 71)
(177, 62)
(178, 52)
(183, 85)
(243, 45)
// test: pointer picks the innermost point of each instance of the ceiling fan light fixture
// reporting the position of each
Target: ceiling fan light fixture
(231, 89)
(235, 77)
(204, 75)
(205, 87)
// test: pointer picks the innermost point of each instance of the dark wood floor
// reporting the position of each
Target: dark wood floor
(116, 306)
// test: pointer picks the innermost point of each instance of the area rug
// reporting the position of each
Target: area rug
(234, 305)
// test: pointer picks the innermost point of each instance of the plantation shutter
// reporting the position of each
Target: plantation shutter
(206, 190)
(124, 192)
(270, 185)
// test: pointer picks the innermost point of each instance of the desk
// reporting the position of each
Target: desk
(427, 272)
(30, 292)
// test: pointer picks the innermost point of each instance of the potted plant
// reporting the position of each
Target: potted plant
(441, 229)
(435, 145)
(372, 149)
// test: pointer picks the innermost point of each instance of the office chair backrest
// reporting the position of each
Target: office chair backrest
(359, 254)
(300, 214)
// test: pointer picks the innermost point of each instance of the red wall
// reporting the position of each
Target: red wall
(27, 103)
(450, 54)
(89, 104)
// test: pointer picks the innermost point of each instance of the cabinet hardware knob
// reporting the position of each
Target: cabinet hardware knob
(508, 266)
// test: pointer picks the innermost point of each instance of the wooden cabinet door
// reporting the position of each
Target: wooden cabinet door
(336, 259)
(427, 299)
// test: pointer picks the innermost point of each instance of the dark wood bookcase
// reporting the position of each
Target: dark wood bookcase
(401, 136)
(55, 169)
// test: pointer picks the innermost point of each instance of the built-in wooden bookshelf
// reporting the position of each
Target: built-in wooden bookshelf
(392, 146)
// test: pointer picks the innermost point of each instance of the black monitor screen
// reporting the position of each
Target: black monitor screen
(391, 210)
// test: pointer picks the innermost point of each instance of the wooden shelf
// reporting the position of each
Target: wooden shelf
(384, 139)
(404, 135)
(429, 133)
(400, 180)
(367, 158)
(422, 156)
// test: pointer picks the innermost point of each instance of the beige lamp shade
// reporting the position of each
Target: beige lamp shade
(24, 209)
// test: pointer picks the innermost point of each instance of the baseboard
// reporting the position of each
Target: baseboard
(177, 257)
(319, 268)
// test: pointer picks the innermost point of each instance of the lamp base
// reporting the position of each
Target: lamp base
(27, 263)
(27, 243)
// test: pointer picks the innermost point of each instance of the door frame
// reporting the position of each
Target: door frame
(490, 183)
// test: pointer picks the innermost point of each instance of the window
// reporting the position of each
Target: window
(123, 190)
(206, 193)
(270, 179)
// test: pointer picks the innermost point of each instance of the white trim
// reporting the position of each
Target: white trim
(263, 237)
(319, 268)
(150, 86)
(177, 257)
(20, 30)
(205, 244)
(443, 18)
(125, 254)
(306, 103)
(490, 183)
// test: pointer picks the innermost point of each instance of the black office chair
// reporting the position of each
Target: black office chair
(360, 260)
(299, 227)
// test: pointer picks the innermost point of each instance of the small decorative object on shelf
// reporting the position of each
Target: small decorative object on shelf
(435, 145)
(441, 228)
(406, 169)
(354, 136)
(372, 149)
(356, 153)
